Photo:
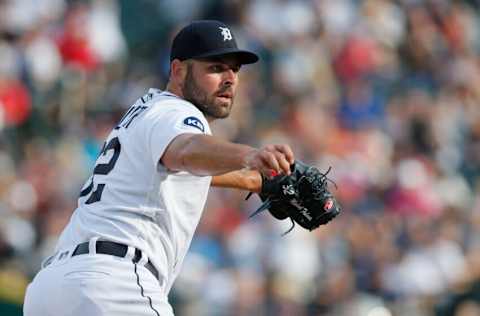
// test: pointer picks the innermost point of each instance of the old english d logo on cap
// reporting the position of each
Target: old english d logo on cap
(227, 36)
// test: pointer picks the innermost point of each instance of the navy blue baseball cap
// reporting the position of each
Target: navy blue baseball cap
(205, 39)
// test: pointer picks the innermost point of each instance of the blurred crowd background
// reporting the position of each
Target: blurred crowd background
(387, 92)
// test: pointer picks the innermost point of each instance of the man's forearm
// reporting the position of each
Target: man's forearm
(249, 180)
(206, 155)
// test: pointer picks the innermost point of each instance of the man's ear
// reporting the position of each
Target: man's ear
(178, 70)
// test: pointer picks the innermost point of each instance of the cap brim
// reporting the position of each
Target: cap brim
(243, 56)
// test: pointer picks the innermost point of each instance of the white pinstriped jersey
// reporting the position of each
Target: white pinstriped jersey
(132, 198)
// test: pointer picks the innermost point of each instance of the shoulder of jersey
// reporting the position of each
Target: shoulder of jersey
(169, 98)
(193, 116)
(166, 98)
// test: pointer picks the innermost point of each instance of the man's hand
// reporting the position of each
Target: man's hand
(270, 160)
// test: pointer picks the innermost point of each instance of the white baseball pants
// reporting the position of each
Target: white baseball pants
(96, 285)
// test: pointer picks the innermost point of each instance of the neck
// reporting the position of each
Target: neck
(175, 89)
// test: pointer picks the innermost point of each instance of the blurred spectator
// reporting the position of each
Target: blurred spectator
(74, 41)
(15, 102)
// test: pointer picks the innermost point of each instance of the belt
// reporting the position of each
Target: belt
(114, 249)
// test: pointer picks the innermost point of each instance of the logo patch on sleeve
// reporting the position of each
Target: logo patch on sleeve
(194, 122)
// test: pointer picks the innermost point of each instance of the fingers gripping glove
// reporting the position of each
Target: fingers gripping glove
(302, 196)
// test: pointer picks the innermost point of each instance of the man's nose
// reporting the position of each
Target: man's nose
(230, 77)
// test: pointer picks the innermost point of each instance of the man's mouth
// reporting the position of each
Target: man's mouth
(227, 95)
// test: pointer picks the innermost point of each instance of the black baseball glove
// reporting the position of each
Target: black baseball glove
(302, 196)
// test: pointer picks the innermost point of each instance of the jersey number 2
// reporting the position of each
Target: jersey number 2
(103, 169)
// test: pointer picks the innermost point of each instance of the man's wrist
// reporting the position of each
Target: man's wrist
(248, 159)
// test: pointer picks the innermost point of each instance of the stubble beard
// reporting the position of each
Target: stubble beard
(209, 105)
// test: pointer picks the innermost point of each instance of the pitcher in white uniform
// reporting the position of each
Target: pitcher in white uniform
(137, 213)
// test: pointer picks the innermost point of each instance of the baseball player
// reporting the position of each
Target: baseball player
(125, 243)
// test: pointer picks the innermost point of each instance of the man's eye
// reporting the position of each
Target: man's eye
(217, 68)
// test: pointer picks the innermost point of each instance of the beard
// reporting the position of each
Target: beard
(209, 105)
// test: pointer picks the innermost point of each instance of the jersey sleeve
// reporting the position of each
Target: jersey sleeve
(166, 123)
